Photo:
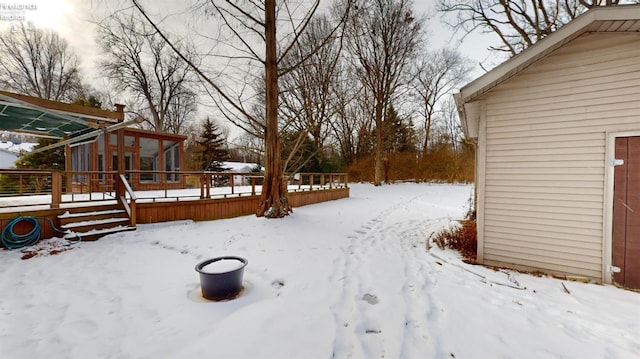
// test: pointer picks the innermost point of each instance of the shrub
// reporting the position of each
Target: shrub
(439, 165)
(361, 170)
(461, 238)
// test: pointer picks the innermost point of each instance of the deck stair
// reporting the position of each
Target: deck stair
(92, 223)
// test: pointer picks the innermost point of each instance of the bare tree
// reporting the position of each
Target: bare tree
(248, 23)
(141, 64)
(436, 75)
(39, 63)
(449, 123)
(518, 23)
(350, 115)
(248, 148)
(307, 103)
(383, 37)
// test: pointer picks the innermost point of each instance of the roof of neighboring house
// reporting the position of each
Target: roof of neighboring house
(16, 147)
(621, 18)
(239, 166)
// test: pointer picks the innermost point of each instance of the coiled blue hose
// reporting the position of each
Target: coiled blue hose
(11, 240)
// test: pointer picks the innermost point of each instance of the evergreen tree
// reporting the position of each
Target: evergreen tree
(50, 160)
(305, 157)
(397, 136)
(211, 151)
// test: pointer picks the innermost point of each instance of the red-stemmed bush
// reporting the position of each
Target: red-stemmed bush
(463, 238)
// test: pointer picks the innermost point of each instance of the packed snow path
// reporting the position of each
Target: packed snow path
(385, 299)
(344, 279)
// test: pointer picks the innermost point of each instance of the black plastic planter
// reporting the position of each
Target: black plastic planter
(221, 277)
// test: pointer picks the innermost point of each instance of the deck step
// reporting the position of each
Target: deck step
(90, 225)
(85, 226)
(93, 213)
(96, 234)
(67, 217)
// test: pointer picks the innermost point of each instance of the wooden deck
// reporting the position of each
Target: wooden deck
(197, 210)
(163, 206)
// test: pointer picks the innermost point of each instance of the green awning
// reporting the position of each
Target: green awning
(17, 117)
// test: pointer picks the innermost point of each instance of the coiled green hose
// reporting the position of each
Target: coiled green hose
(11, 240)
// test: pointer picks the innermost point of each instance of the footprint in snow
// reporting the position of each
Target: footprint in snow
(370, 298)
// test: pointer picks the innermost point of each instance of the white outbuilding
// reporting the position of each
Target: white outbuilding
(557, 129)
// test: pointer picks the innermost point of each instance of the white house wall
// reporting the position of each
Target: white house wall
(544, 172)
(7, 158)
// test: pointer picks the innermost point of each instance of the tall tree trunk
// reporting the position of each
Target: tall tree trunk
(427, 130)
(273, 200)
(377, 180)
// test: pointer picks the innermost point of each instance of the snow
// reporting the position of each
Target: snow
(350, 278)
(67, 214)
(94, 222)
(222, 266)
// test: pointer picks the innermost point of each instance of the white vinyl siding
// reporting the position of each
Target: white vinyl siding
(544, 168)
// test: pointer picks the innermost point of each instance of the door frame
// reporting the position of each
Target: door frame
(607, 235)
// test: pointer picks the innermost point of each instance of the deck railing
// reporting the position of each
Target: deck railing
(55, 189)
(130, 205)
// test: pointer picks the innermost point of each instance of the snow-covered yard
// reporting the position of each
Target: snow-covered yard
(346, 279)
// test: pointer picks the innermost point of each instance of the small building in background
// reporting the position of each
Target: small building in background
(242, 167)
(10, 151)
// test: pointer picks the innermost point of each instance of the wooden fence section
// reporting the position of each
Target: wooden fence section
(298, 199)
(210, 209)
(197, 210)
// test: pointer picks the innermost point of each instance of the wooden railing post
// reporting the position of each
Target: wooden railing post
(203, 180)
(208, 188)
(132, 218)
(56, 189)
(130, 206)
(121, 162)
(205, 185)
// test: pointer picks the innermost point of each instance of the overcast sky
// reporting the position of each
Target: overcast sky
(73, 19)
